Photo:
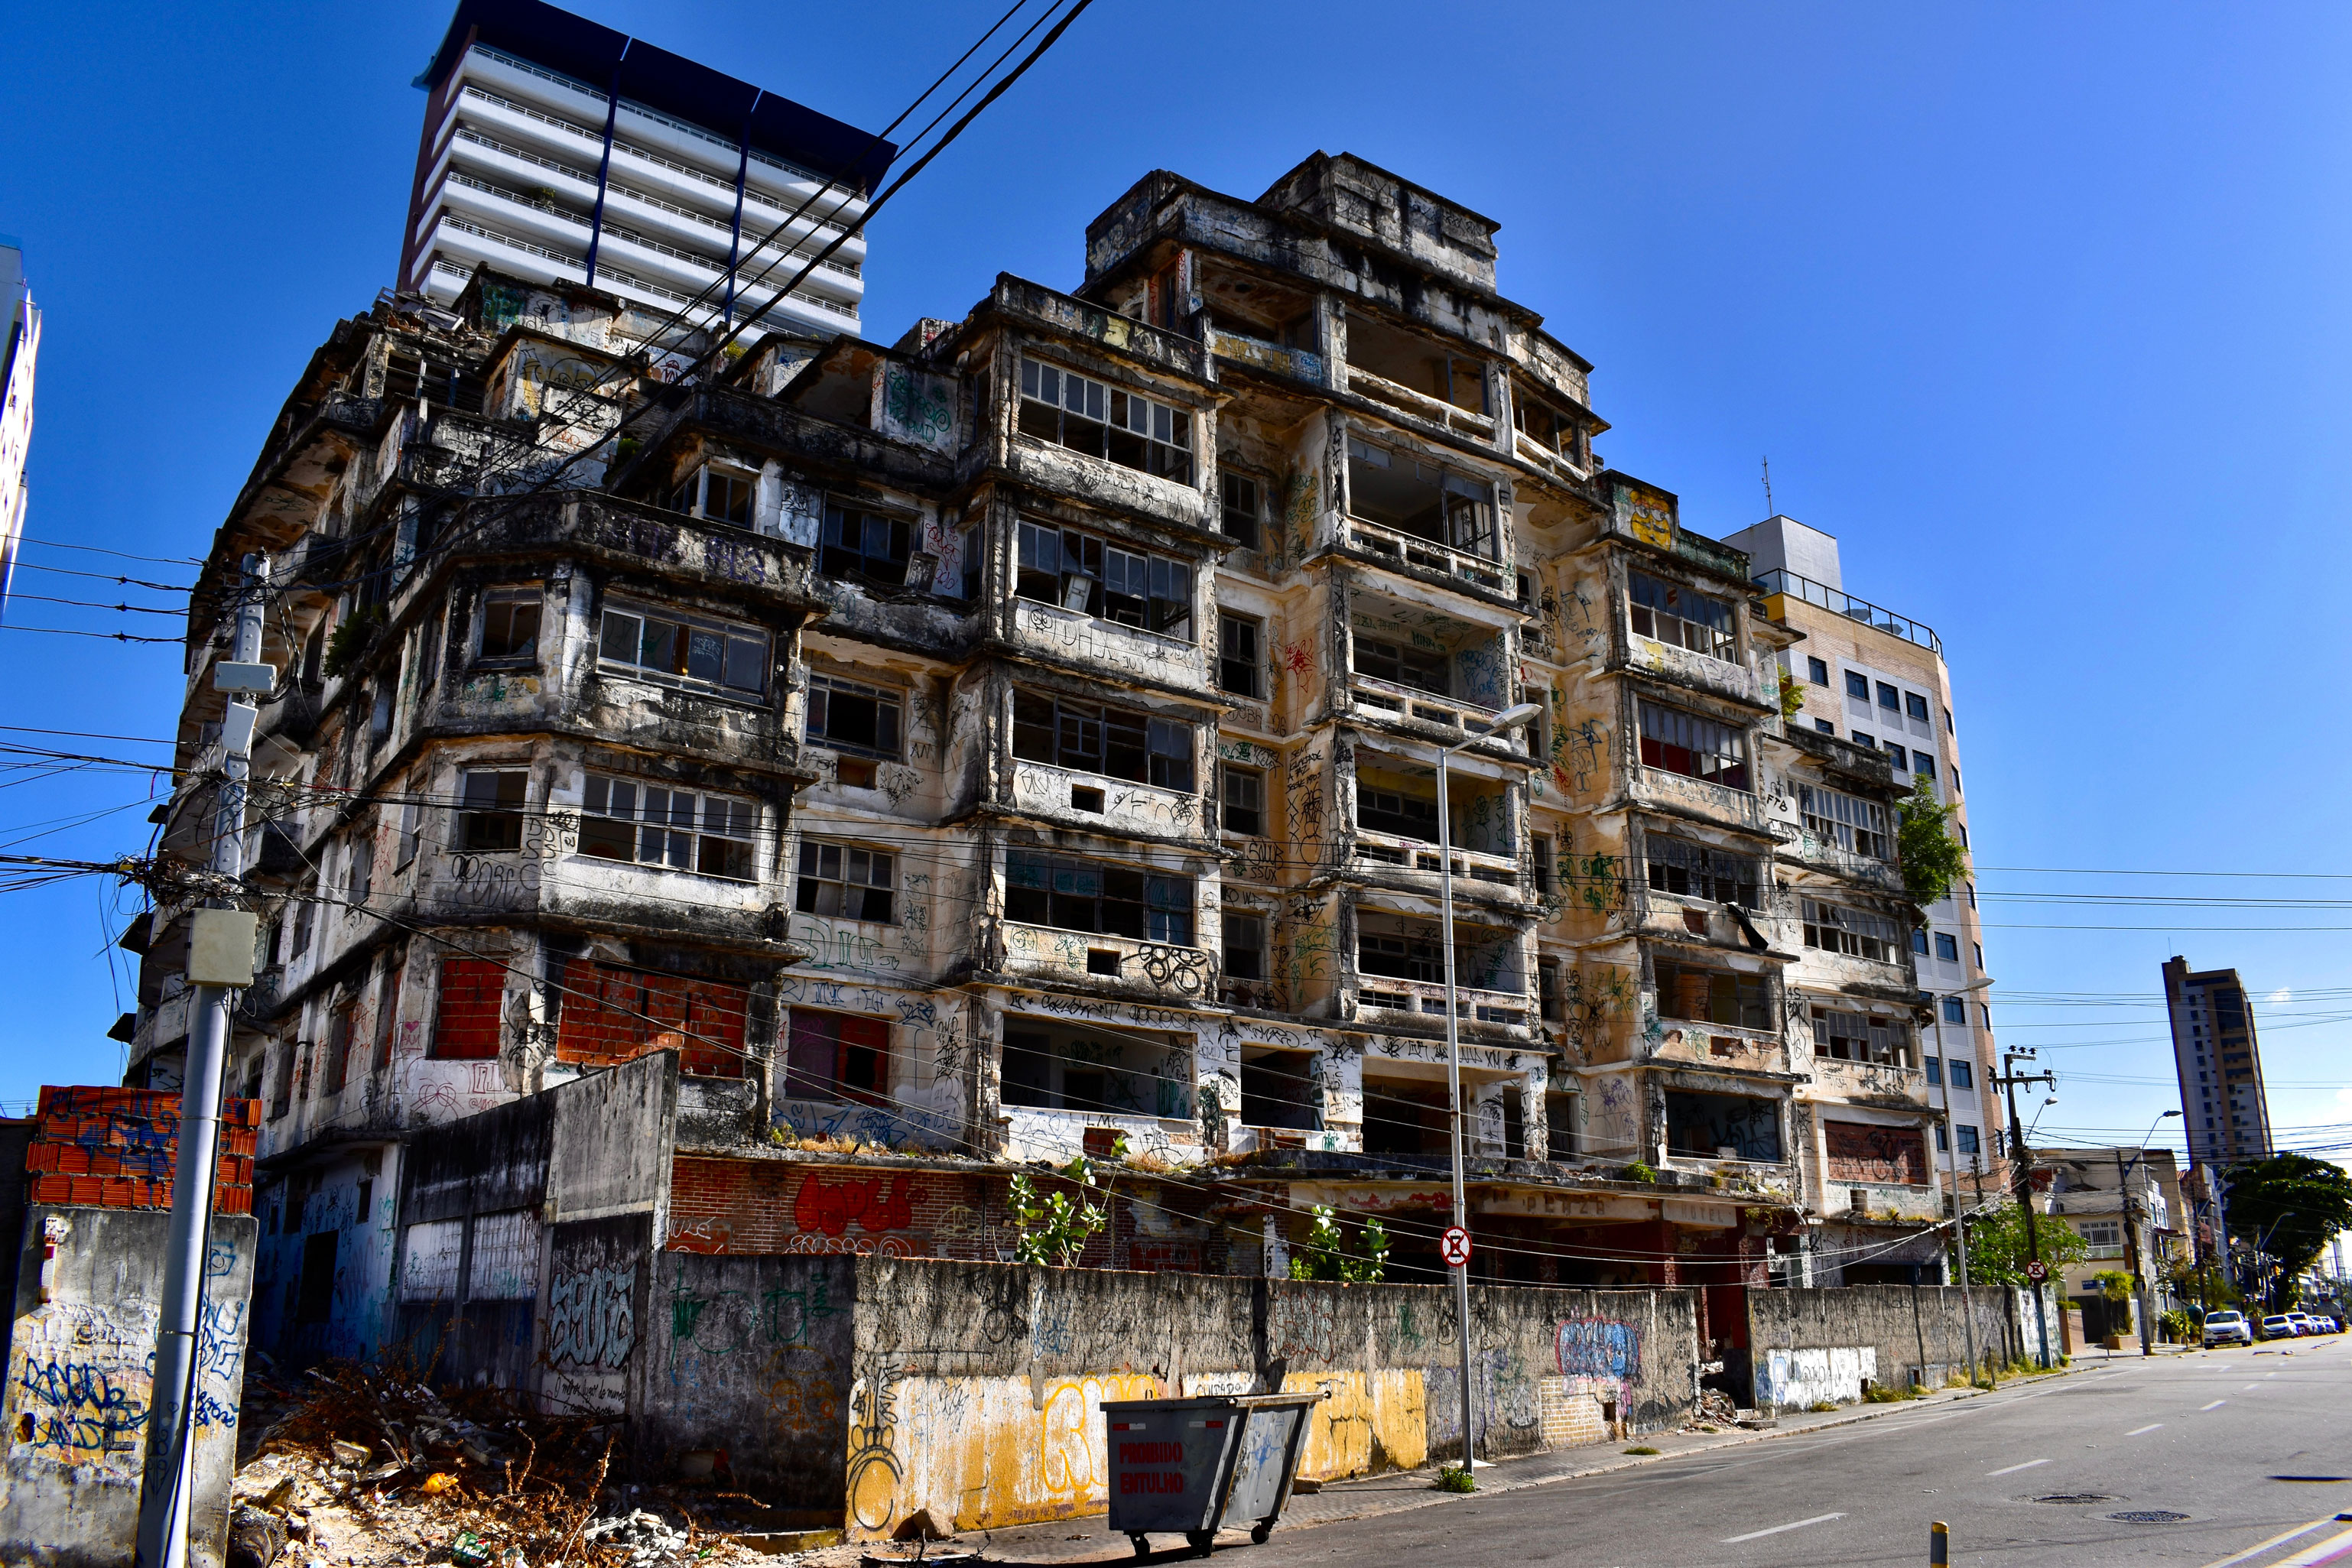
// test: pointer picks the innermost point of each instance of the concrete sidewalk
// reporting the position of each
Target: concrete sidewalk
(1087, 1538)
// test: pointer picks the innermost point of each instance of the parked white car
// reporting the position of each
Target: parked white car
(2227, 1328)
(2278, 1325)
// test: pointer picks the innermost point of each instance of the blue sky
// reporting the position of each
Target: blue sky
(2041, 310)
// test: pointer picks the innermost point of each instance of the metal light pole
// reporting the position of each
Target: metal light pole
(169, 1473)
(1509, 719)
(2131, 1236)
(1952, 1151)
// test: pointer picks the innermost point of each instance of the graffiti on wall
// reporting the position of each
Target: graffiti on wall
(1861, 1151)
(592, 1317)
(1805, 1377)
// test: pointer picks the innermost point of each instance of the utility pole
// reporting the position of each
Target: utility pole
(2131, 1247)
(2022, 1159)
(220, 956)
(1976, 1175)
(1952, 1153)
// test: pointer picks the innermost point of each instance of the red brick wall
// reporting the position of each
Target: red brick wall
(612, 1015)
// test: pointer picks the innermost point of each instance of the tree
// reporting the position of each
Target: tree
(1997, 1253)
(1054, 1228)
(2114, 1284)
(1325, 1255)
(1932, 858)
(2288, 1206)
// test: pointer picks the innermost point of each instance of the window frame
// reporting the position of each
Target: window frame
(887, 700)
(1237, 778)
(1166, 748)
(692, 494)
(1654, 607)
(1241, 521)
(807, 1027)
(510, 597)
(1097, 557)
(838, 560)
(1170, 922)
(1120, 420)
(1848, 822)
(478, 810)
(1817, 669)
(876, 894)
(1849, 931)
(1250, 664)
(1858, 684)
(737, 640)
(1658, 751)
(738, 852)
(1695, 863)
(1231, 948)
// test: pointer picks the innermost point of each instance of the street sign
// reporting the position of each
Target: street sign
(1455, 1247)
(2037, 1270)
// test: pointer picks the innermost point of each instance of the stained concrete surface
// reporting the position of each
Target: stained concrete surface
(1861, 1486)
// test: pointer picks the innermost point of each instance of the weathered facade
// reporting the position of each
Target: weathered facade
(966, 753)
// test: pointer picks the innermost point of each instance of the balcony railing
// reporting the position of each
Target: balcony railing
(1410, 702)
(1427, 554)
(1387, 993)
(1531, 450)
(1419, 405)
(1780, 580)
(1379, 848)
(1299, 364)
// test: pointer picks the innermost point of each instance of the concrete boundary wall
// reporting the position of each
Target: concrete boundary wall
(1806, 1346)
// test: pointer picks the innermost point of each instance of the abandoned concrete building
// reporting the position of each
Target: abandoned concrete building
(968, 752)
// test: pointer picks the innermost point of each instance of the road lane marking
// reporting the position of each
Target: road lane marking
(2215, 1405)
(1759, 1534)
(2250, 1388)
(2014, 1468)
(2135, 1431)
(2256, 1551)
(2335, 1549)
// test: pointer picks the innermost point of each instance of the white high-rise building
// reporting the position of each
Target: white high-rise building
(24, 347)
(557, 150)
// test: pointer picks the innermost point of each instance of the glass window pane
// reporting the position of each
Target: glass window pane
(621, 636)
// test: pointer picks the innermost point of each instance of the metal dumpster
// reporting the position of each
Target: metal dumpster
(1222, 1461)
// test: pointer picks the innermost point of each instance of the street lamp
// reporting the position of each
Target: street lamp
(1952, 1148)
(1509, 719)
(2131, 1236)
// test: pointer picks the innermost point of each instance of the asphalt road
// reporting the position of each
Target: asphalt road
(2207, 1436)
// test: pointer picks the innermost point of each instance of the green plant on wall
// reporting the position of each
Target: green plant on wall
(1053, 1227)
(350, 640)
(1327, 1255)
(1793, 696)
(1932, 858)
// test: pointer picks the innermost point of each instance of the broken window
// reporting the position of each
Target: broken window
(1700, 871)
(1238, 655)
(1856, 933)
(339, 1049)
(717, 493)
(1856, 826)
(1713, 995)
(434, 382)
(846, 881)
(1401, 958)
(1108, 582)
(412, 829)
(864, 721)
(1548, 1001)
(1089, 895)
(1547, 426)
(663, 646)
(1416, 363)
(466, 1018)
(1860, 1037)
(1280, 1089)
(655, 824)
(1394, 812)
(1422, 499)
(872, 547)
(1245, 941)
(361, 876)
(1094, 739)
(1669, 613)
(1559, 1123)
(1405, 1116)
(281, 1090)
(837, 1056)
(1696, 747)
(489, 816)
(1103, 421)
(1422, 669)
(1244, 800)
(1706, 1125)
(388, 1012)
(1051, 1068)
(1240, 508)
(510, 626)
(303, 919)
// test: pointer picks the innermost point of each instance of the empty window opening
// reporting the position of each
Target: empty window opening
(839, 1057)
(490, 818)
(1669, 613)
(1238, 641)
(1280, 1089)
(1106, 581)
(1074, 894)
(1093, 738)
(1103, 421)
(871, 548)
(1422, 499)
(655, 824)
(1694, 995)
(846, 881)
(1056, 1069)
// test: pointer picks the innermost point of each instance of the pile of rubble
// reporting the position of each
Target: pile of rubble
(369, 1467)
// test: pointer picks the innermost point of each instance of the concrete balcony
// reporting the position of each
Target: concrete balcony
(1090, 802)
(1428, 555)
(1123, 964)
(1759, 1178)
(1717, 677)
(1533, 452)
(1257, 353)
(1885, 1084)
(1378, 994)
(1722, 1048)
(1075, 636)
(1419, 408)
(1421, 864)
(1389, 699)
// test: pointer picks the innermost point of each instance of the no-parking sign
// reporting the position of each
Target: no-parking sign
(1455, 1247)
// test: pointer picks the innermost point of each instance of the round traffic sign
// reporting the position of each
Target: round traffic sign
(1455, 1247)
(2037, 1270)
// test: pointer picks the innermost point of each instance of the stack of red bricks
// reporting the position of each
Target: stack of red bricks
(115, 1148)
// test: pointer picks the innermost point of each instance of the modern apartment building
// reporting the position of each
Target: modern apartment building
(978, 750)
(22, 351)
(2220, 1064)
(1878, 680)
(558, 151)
